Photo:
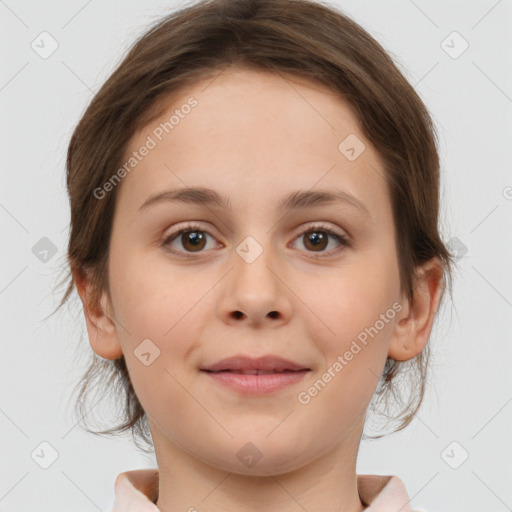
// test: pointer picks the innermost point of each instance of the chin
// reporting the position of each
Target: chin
(260, 456)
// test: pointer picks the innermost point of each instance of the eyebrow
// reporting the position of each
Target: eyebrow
(298, 199)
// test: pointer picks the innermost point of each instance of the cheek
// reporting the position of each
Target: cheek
(357, 321)
(160, 328)
(351, 302)
(160, 316)
(150, 296)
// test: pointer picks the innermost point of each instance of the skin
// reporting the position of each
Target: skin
(255, 137)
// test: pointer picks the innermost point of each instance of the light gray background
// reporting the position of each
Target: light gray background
(469, 400)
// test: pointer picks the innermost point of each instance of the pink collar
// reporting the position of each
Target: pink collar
(137, 491)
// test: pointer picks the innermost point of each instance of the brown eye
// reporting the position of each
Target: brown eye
(188, 240)
(316, 240)
(193, 240)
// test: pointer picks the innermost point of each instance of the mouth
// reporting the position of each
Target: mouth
(255, 366)
(256, 382)
(259, 376)
(256, 372)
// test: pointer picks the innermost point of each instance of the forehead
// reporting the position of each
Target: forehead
(242, 129)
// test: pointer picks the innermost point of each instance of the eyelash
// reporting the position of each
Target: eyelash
(344, 241)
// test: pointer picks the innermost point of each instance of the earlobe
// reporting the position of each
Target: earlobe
(414, 323)
(101, 327)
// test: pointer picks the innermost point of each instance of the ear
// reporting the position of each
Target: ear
(101, 327)
(414, 322)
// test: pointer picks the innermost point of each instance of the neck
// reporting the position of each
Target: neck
(327, 484)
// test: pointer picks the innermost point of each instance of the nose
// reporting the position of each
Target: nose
(255, 293)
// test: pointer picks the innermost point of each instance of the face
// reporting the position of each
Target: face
(314, 282)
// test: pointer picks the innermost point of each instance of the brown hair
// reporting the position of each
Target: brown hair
(302, 38)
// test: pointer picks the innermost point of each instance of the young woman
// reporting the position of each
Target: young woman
(254, 237)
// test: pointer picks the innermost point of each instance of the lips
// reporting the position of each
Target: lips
(254, 372)
(261, 376)
(255, 366)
